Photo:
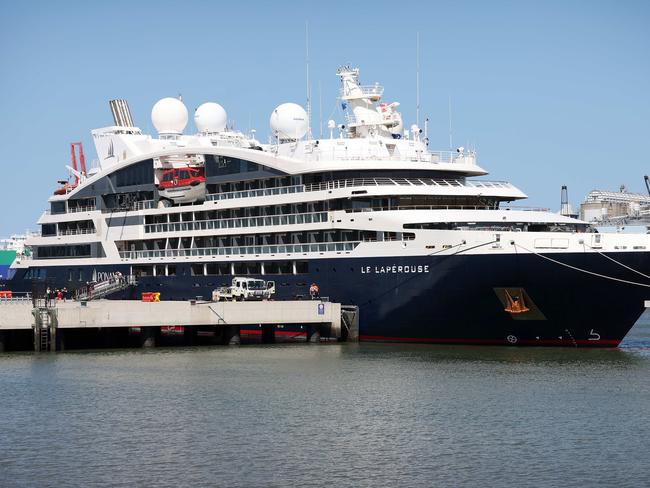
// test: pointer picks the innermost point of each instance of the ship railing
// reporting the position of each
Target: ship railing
(100, 289)
(354, 182)
(74, 232)
(238, 222)
(413, 154)
(320, 247)
(357, 182)
(135, 206)
(378, 119)
(365, 91)
(447, 207)
(16, 298)
(144, 205)
(440, 156)
(259, 192)
(526, 208)
(88, 208)
(403, 236)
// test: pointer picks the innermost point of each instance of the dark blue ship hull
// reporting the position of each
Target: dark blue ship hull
(465, 299)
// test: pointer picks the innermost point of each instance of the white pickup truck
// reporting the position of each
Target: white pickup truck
(245, 289)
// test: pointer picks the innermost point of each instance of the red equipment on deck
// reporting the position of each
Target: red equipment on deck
(82, 160)
(82, 168)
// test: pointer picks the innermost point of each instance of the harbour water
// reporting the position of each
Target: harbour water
(328, 415)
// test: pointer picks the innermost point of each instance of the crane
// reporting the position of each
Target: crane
(82, 161)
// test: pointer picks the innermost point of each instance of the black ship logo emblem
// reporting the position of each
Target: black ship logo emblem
(111, 151)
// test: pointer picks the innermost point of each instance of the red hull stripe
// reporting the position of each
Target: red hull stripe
(525, 342)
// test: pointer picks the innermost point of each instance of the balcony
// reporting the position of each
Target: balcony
(320, 247)
(260, 192)
(235, 223)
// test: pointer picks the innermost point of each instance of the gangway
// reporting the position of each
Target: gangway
(101, 289)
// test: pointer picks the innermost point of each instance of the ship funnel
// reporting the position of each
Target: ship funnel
(121, 113)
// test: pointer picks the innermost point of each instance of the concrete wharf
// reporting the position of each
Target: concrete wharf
(54, 325)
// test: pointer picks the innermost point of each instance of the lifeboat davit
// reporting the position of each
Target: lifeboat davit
(182, 185)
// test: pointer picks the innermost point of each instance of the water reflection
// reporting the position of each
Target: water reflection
(331, 414)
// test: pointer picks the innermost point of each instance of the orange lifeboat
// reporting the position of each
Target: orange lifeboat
(65, 188)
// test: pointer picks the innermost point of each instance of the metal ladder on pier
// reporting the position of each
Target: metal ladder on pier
(45, 325)
(107, 287)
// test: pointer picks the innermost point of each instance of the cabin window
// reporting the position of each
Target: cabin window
(57, 208)
(218, 268)
(143, 270)
(48, 229)
(78, 251)
(137, 174)
(35, 273)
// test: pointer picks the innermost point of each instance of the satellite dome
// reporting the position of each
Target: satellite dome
(210, 117)
(169, 116)
(289, 121)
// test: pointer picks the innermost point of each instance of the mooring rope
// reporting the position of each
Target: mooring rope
(580, 269)
(618, 262)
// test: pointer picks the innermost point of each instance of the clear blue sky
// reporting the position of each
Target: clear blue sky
(550, 93)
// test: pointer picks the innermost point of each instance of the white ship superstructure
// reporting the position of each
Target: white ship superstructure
(370, 199)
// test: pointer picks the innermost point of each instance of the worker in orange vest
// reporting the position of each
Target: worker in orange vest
(314, 292)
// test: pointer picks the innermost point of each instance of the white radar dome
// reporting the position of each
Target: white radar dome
(169, 116)
(289, 121)
(210, 117)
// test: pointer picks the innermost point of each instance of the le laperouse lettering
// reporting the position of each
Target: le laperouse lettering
(395, 269)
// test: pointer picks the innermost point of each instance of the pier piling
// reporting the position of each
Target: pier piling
(189, 335)
(232, 336)
(149, 337)
(313, 333)
(268, 334)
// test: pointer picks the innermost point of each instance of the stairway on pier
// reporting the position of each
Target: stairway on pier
(101, 289)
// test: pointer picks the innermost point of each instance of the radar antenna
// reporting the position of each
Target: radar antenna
(417, 79)
(451, 145)
(308, 83)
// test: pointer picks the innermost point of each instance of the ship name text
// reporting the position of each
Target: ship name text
(395, 269)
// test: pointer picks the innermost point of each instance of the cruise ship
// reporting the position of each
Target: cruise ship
(426, 247)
